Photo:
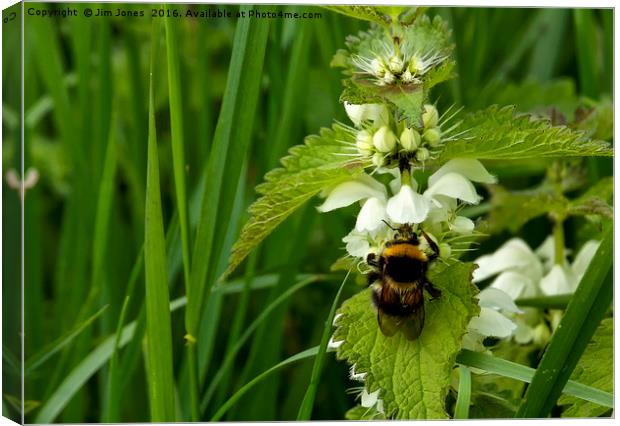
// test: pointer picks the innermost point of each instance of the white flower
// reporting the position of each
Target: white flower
(356, 376)
(407, 206)
(370, 400)
(468, 168)
(377, 113)
(396, 64)
(357, 244)
(348, 192)
(371, 215)
(491, 321)
(363, 142)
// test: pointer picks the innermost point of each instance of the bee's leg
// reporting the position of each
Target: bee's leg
(432, 290)
(432, 245)
(372, 260)
(372, 277)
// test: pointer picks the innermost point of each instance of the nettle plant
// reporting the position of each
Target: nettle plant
(413, 170)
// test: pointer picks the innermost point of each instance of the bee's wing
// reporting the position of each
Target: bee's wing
(387, 323)
(412, 325)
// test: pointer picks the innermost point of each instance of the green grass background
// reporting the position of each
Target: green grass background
(126, 158)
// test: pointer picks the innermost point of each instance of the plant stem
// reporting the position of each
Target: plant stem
(558, 238)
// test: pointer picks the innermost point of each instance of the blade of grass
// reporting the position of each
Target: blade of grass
(461, 410)
(178, 162)
(545, 51)
(305, 410)
(585, 39)
(308, 353)
(583, 314)
(43, 355)
(559, 301)
(230, 144)
(113, 390)
(504, 368)
(227, 363)
(96, 359)
(159, 332)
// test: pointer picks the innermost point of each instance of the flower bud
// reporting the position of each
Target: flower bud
(416, 65)
(388, 78)
(396, 64)
(432, 136)
(445, 250)
(363, 141)
(541, 334)
(430, 117)
(384, 139)
(422, 154)
(378, 68)
(407, 77)
(410, 139)
(378, 160)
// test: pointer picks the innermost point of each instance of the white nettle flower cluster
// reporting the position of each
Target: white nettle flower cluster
(402, 202)
(376, 139)
(522, 273)
(390, 65)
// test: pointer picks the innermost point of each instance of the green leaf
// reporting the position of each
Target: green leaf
(498, 133)
(413, 376)
(320, 163)
(595, 368)
(159, 332)
(513, 209)
(362, 413)
(366, 13)
(583, 314)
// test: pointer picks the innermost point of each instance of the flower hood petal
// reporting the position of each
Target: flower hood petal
(454, 185)
(584, 257)
(408, 206)
(515, 285)
(495, 298)
(515, 254)
(351, 191)
(371, 215)
(469, 168)
(492, 323)
(557, 282)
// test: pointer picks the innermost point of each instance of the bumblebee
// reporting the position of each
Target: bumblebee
(398, 281)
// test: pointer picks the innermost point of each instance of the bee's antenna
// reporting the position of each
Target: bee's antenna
(388, 225)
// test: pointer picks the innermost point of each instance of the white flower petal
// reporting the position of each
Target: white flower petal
(515, 284)
(492, 297)
(514, 254)
(524, 333)
(353, 375)
(584, 257)
(335, 320)
(369, 399)
(492, 323)
(334, 345)
(454, 185)
(357, 244)
(556, 282)
(377, 113)
(463, 225)
(371, 215)
(408, 206)
(469, 168)
(547, 249)
(351, 191)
